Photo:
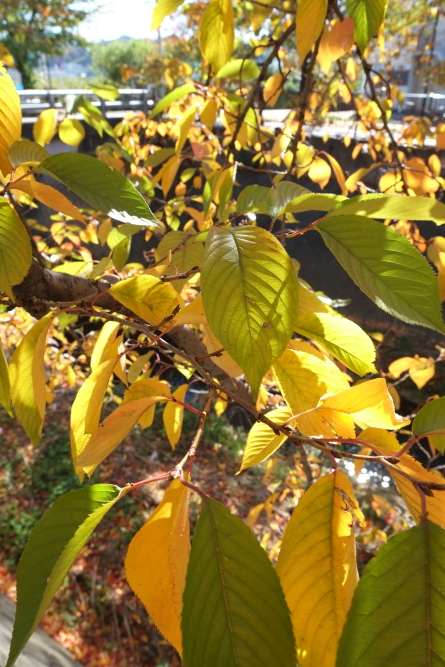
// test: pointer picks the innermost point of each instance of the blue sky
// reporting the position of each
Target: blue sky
(119, 17)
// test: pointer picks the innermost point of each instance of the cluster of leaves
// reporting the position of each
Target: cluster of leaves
(222, 304)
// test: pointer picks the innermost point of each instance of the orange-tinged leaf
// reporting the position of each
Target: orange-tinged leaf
(147, 296)
(435, 164)
(112, 431)
(173, 415)
(10, 119)
(86, 409)
(303, 379)
(45, 127)
(27, 378)
(103, 343)
(216, 33)
(311, 16)
(319, 172)
(262, 442)
(51, 197)
(317, 567)
(385, 444)
(184, 128)
(368, 402)
(157, 559)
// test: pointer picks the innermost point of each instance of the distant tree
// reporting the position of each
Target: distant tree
(108, 58)
(30, 28)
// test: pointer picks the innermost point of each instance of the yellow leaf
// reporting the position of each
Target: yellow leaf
(224, 361)
(168, 173)
(104, 341)
(273, 88)
(112, 431)
(216, 33)
(193, 313)
(262, 442)
(138, 365)
(385, 444)
(157, 559)
(114, 353)
(338, 171)
(209, 113)
(184, 128)
(319, 172)
(311, 16)
(220, 404)
(303, 379)
(435, 164)
(50, 197)
(173, 415)
(143, 389)
(86, 409)
(45, 127)
(5, 389)
(369, 402)
(253, 515)
(147, 296)
(10, 119)
(71, 131)
(27, 377)
(317, 568)
(421, 370)
(259, 13)
(15, 249)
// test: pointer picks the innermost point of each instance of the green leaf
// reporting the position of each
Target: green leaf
(432, 418)
(252, 200)
(101, 186)
(368, 16)
(183, 259)
(234, 610)
(121, 253)
(93, 116)
(241, 68)
(346, 341)
(281, 194)
(397, 207)
(397, 617)
(26, 152)
(119, 234)
(158, 157)
(163, 9)
(52, 547)
(313, 202)
(15, 249)
(174, 96)
(386, 267)
(106, 91)
(257, 291)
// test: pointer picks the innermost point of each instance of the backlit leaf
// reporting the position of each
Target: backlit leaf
(103, 343)
(311, 16)
(27, 377)
(273, 89)
(51, 549)
(26, 152)
(281, 195)
(106, 91)
(157, 559)
(233, 598)
(317, 567)
(257, 296)
(171, 97)
(162, 9)
(144, 388)
(15, 249)
(320, 172)
(173, 415)
(216, 33)
(368, 16)
(51, 197)
(190, 254)
(262, 442)
(100, 186)
(397, 207)
(431, 417)
(344, 339)
(397, 615)
(184, 128)
(239, 69)
(386, 267)
(71, 131)
(45, 128)
(10, 119)
(147, 296)
(253, 199)
(303, 379)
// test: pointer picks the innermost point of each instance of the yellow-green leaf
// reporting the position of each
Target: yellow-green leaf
(10, 119)
(184, 128)
(303, 379)
(368, 16)
(45, 127)
(5, 392)
(71, 131)
(27, 377)
(262, 442)
(157, 559)
(343, 338)
(317, 568)
(311, 17)
(216, 33)
(26, 152)
(104, 341)
(163, 9)
(173, 415)
(252, 276)
(15, 249)
(147, 296)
